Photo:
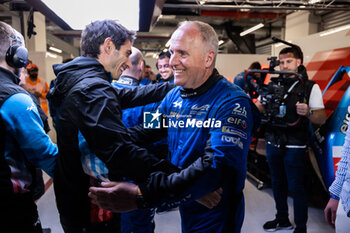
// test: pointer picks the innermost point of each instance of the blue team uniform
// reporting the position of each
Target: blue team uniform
(131, 116)
(219, 119)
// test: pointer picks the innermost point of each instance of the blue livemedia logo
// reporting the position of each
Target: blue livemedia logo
(151, 120)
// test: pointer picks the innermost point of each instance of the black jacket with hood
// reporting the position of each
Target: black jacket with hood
(87, 102)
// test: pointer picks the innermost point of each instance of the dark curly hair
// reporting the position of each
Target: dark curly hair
(96, 32)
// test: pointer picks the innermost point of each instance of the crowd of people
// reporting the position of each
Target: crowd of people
(126, 148)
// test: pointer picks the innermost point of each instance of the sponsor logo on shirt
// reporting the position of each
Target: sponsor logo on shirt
(231, 130)
(234, 140)
(237, 121)
(177, 104)
(238, 110)
(198, 110)
(203, 108)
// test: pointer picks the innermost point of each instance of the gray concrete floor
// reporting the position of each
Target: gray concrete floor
(259, 208)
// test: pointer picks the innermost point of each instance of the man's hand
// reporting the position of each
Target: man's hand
(302, 109)
(330, 212)
(117, 197)
(211, 199)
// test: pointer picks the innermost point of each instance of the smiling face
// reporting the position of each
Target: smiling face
(164, 68)
(113, 60)
(191, 63)
(120, 59)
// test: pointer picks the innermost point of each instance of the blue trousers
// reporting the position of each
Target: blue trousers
(138, 221)
(287, 168)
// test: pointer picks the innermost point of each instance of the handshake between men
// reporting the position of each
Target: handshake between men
(120, 197)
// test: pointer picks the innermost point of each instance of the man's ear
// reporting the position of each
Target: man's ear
(107, 45)
(298, 61)
(209, 60)
(140, 66)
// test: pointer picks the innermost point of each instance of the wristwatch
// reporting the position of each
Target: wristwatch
(141, 203)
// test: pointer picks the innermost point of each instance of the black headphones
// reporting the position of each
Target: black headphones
(16, 55)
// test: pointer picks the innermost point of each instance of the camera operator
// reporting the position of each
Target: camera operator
(286, 145)
(250, 83)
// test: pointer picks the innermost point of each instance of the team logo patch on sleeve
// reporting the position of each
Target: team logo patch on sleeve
(31, 107)
(233, 140)
(237, 121)
(231, 130)
(239, 110)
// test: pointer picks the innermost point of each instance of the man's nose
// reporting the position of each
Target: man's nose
(128, 63)
(173, 60)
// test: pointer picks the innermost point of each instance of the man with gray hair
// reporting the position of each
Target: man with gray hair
(206, 117)
(23, 141)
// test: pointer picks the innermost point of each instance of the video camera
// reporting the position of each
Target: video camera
(273, 95)
(273, 63)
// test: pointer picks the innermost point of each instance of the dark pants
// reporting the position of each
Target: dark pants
(287, 167)
(19, 214)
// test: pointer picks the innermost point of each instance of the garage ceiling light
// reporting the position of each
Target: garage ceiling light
(79, 14)
(55, 49)
(252, 29)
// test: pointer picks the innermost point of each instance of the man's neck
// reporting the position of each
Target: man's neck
(208, 72)
(131, 74)
(4, 65)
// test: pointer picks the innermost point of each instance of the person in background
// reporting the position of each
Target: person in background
(202, 95)
(286, 146)
(23, 140)
(130, 78)
(37, 86)
(337, 211)
(163, 66)
(148, 76)
(137, 220)
(251, 83)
